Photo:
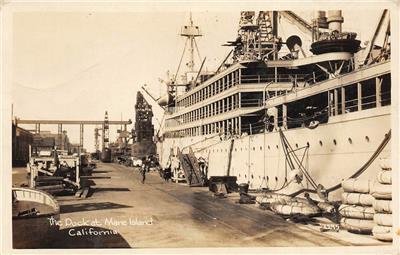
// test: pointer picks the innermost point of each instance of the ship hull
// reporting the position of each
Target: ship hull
(336, 150)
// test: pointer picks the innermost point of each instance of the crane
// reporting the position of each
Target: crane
(368, 50)
(295, 19)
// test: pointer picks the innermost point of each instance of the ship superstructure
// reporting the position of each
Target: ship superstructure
(268, 108)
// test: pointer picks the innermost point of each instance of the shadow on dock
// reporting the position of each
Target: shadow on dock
(90, 207)
(100, 172)
(98, 190)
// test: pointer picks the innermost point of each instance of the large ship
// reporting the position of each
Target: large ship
(280, 117)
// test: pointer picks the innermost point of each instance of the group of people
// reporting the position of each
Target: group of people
(145, 168)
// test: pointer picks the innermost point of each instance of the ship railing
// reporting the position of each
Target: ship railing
(253, 128)
(385, 98)
(251, 102)
(294, 78)
(351, 105)
(367, 102)
(310, 78)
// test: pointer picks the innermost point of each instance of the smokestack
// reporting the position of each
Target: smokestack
(320, 19)
(335, 20)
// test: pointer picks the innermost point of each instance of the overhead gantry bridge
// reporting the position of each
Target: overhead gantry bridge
(60, 124)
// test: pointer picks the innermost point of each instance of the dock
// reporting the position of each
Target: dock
(124, 213)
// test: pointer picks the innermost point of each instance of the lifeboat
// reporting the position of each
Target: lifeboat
(34, 217)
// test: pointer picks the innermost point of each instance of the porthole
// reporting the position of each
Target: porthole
(350, 140)
(267, 177)
(260, 148)
(320, 142)
(245, 176)
(269, 147)
(334, 141)
(367, 138)
(252, 177)
(297, 145)
(277, 146)
(254, 148)
(276, 178)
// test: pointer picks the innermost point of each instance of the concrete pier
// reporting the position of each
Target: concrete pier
(121, 212)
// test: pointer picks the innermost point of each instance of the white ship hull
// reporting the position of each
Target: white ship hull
(337, 149)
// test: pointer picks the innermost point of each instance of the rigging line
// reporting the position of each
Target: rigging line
(369, 162)
(197, 49)
(284, 185)
(301, 167)
(180, 61)
(205, 139)
(159, 127)
(304, 154)
(362, 169)
(281, 27)
(288, 159)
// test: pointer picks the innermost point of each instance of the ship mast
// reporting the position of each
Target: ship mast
(191, 32)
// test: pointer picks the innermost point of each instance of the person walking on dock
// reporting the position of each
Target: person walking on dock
(167, 173)
(143, 170)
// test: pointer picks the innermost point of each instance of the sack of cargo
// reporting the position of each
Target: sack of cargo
(383, 233)
(384, 219)
(326, 207)
(385, 177)
(357, 226)
(296, 208)
(357, 199)
(383, 206)
(269, 198)
(381, 191)
(356, 211)
(356, 185)
(385, 163)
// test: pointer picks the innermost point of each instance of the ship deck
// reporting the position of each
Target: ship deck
(181, 217)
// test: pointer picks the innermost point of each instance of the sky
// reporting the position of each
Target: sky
(77, 65)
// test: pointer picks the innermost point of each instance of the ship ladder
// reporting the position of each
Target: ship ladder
(190, 166)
